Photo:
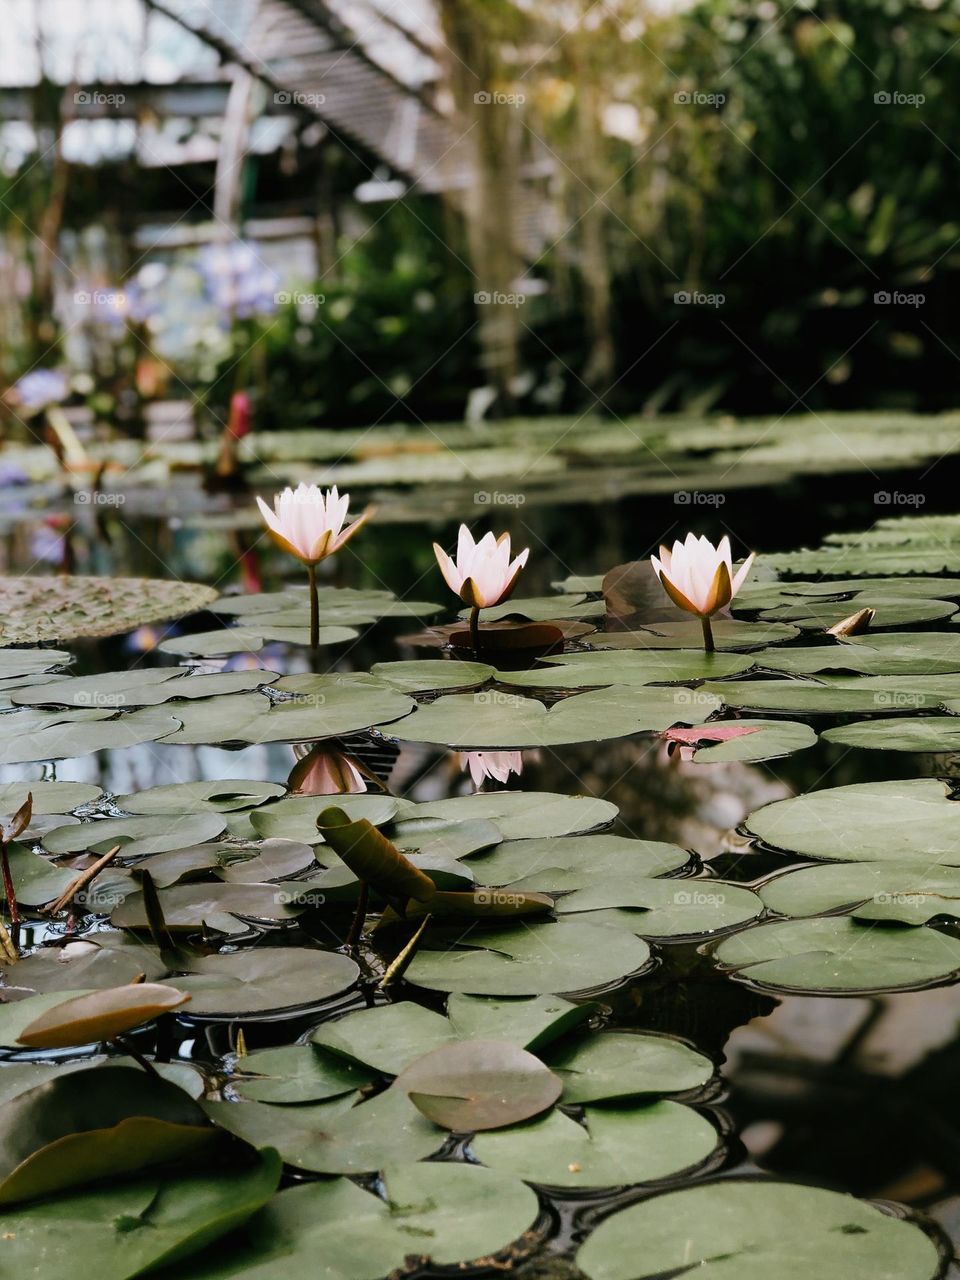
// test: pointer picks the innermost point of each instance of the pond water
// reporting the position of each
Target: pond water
(844, 1083)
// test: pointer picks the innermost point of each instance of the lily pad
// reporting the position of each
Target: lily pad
(105, 960)
(295, 817)
(836, 953)
(753, 1230)
(334, 1230)
(51, 610)
(479, 1084)
(297, 1073)
(531, 1023)
(518, 814)
(264, 980)
(835, 695)
(220, 795)
(536, 959)
(610, 1147)
(59, 735)
(498, 720)
(229, 640)
(140, 687)
(216, 907)
(661, 908)
(866, 822)
(335, 1136)
(137, 837)
(882, 653)
(121, 1231)
(36, 879)
(100, 1015)
(387, 1038)
(892, 610)
(574, 862)
(428, 674)
(903, 733)
(628, 668)
(905, 891)
(15, 663)
(48, 797)
(619, 1064)
(729, 635)
(543, 609)
(747, 740)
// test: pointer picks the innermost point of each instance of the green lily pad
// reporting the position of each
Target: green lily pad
(335, 1136)
(253, 718)
(836, 953)
(500, 720)
(123, 1230)
(140, 687)
(611, 1147)
(16, 1015)
(32, 735)
(230, 640)
(880, 653)
(619, 1064)
(216, 907)
(518, 814)
(763, 740)
(387, 1038)
(866, 822)
(573, 862)
(137, 837)
(754, 1230)
(334, 1230)
(296, 1073)
(98, 963)
(48, 797)
(906, 891)
(295, 817)
(221, 795)
(264, 980)
(902, 733)
(36, 879)
(530, 1022)
(427, 674)
(535, 959)
(892, 610)
(628, 667)
(15, 663)
(276, 860)
(729, 635)
(836, 695)
(661, 908)
(543, 609)
(48, 610)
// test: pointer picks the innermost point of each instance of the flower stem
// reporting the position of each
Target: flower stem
(475, 629)
(314, 607)
(707, 635)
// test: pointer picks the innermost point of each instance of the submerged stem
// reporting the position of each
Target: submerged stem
(707, 635)
(314, 607)
(356, 929)
(123, 1043)
(475, 629)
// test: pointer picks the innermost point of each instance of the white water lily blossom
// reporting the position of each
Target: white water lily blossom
(483, 573)
(491, 764)
(699, 577)
(310, 523)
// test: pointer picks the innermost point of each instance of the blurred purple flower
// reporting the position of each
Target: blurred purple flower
(236, 281)
(41, 387)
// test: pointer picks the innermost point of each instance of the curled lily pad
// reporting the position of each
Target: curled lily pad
(574, 862)
(84, 1126)
(221, 795)
(100, 1015)
(479, 1084)
(866, 822)
(503, 720)
(264, 980)
(137, 837)
(335, 1136)
(619, 1064)
(907, 891)
(297, 1073)
(519, 814)
(449, 1213)
(751, 1230)
(140, 687)
(835, 953)
(125, 1229)
(535, 959)
(661, 908)
(609, 1147)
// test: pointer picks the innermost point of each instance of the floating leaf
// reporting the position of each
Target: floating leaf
(574, 862)
(531, 1023)
(221, 795)
(229, 640)
(140, 687)
(265, 980)
(17, 663)
(295, 817)
(387, 1038)
(877, 653)
(60, 735)
(93, 964)
(217, 907)
(611, 1147)
(36, 879)
(48, 797)
(535, 959)
(428, 674)
(334, 1230)
(543, 609)
(619, 1064)
(835, 953)
(518, 814)
(627, 668)
(753, 1230)
(48, 610)
(100, 1015)
(297, 1073)
(137, 837)
(866, 822)
(661, 908)
(500, 720)
(903, 733)
(835, 695)
(728, 635)
(748, 740)
(906, 891)
(479, 1084)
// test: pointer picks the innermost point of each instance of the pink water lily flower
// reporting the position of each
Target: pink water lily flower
(310, 523)
(491, 764)
(700, 578)
(483, 573)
